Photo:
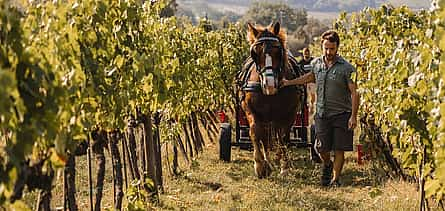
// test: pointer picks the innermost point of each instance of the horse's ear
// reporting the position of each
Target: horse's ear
(276, 28)
(252, 29)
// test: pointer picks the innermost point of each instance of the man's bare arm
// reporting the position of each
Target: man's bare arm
(355, 97)
(306, 78)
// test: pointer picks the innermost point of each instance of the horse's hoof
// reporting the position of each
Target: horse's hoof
(270, 164)
(268, 169)
(260, 175)
(262, 169)
(258, 170)
(284, 172)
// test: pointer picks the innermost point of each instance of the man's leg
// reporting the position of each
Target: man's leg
(339, 160)
(324, 146)
(314, 154)
(342, 142)
(326, 168)
(323, 143)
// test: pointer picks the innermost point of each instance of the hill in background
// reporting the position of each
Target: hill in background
(319, 14)
(320, 9)
(329, 5)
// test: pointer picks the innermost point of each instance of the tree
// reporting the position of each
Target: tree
(342, 5)
(264, 13)
(314, 28)
(170, 9)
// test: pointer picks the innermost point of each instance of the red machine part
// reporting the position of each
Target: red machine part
(222, 116)
(242, 118)
(305, 120)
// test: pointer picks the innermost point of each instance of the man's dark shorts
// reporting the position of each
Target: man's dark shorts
(333, 133)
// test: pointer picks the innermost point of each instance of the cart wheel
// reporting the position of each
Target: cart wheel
(225, 142)
(304, 137)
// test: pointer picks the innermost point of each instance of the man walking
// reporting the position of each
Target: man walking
(307, 59)
(305, 65)
(336, 107)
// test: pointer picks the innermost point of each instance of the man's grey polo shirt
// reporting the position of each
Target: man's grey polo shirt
(333, 94)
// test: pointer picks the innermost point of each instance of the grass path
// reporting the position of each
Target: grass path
(211, 184)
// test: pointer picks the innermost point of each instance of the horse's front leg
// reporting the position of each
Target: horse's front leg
(283, 140)
(257, 135)
(268, 144)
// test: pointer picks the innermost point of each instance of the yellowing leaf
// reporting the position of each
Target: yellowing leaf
(57, 159)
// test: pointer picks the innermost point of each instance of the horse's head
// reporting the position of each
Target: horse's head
(268, 50)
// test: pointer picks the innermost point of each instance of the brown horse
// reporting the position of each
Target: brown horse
(270, 110)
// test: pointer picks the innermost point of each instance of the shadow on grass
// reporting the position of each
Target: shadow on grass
(242, 161)
(320, 202)
(363, 177)
(306, 172)
(203, 185)
(240, 169)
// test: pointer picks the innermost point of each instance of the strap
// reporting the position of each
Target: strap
(262, 39)
(252, 87)
(244, 74)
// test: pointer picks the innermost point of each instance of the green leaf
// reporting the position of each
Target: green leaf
(432, 187)
(18, 205)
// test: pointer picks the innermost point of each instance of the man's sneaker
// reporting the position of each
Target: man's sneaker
(326, 174)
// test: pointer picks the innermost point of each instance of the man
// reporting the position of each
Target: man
(305, 65)
(336, 107)
(306, 59)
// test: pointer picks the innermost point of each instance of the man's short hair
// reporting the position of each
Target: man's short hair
(331, 36)
(306, 49)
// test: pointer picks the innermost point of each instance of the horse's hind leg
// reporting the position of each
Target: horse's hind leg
(262, 168)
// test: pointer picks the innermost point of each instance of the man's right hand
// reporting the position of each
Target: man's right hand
(306, 78)
(284, 83)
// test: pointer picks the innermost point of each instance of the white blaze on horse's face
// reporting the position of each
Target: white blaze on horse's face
(269, 82)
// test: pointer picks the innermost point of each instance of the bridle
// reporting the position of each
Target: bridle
(269, 42)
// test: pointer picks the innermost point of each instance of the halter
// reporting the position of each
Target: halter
(267, 74)
(267, 41)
